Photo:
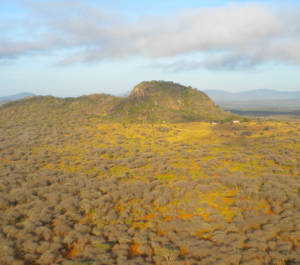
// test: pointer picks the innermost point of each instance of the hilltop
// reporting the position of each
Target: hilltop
(158, 101)
(154, 101)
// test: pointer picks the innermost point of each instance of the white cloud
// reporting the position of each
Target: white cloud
(245, 35)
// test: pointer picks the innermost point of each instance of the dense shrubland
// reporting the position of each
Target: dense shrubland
(196, 193)
(154, 101)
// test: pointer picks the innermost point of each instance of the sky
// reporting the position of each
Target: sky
(69, 48)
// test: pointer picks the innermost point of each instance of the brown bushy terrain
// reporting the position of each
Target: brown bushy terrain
(85, 191)
(155, 101)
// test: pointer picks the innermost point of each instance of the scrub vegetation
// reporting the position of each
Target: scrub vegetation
(149, 102)
(89, 191)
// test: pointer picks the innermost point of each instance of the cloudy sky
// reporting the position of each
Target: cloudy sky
(70, 47)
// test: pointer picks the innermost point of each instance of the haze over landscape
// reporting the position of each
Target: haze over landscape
(71, 48)
(149, 132)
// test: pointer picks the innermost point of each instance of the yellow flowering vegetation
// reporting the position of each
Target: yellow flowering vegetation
(155, 193)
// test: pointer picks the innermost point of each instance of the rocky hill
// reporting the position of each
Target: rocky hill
(155, 101)
(167, 101)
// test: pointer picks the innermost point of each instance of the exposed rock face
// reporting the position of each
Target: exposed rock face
(138, 92)
(168, 101)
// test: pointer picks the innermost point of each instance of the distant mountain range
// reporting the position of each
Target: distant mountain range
(216, 95)
(15, 97)
(252, 95)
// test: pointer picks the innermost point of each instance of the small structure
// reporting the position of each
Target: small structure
(235, 121)
(213, 123)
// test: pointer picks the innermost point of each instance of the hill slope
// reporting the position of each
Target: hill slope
(57, 111)
(167, 101)
(154, 101)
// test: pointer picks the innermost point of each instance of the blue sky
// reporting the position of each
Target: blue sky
(71, 48)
